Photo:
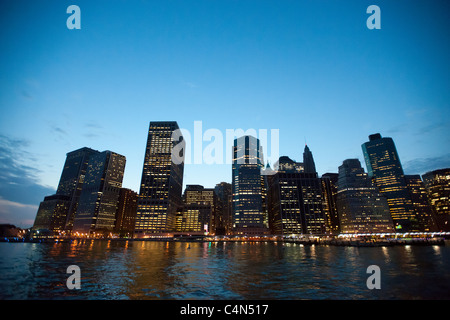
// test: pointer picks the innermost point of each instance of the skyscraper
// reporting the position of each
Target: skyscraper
(384, 167)
(126, 212)
(223, 221)
(248, 187)
(295, 203)
(199, 195)
(162, 181)
(361, 208)
(56, 212)
(329, 193)
(97, 205)
(437, 183)
(308, 161)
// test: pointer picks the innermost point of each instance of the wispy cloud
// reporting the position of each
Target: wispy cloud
(423, 165)
(18, 214)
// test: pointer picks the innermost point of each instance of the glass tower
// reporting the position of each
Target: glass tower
(99, 196)
(437, 183)
(384, 167)
(162, 181)
(248, 187)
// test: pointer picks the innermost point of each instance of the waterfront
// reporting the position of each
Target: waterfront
(221, 270)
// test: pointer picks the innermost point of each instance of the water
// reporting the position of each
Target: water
(172, 270)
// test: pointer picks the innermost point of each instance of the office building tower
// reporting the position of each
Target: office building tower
(162, 181)
(437, 183)
(329, 192)
(308, 161)
(421, 204)
(223, 217)
(126, 213)
(97, 205)
(194, 218)
(295, 202)
(52, 213)
(361, 208)
(56, 212)
(248, 187)
(197, 194)
(384, 167)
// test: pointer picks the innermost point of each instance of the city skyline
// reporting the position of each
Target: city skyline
(312, 70)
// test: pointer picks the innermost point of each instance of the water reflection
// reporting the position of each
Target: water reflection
(179, 270)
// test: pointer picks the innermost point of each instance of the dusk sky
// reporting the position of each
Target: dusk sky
(311, 69)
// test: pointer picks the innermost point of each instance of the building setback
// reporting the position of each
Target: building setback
(162, 180)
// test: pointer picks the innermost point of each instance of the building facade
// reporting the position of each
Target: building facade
(97, 205)
(329, 193)
(361, 207)
(160, 192)
(248, 188)
(384, 167)
(126, 213)
(437, 183)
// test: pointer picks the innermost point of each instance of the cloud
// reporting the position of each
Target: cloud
(18, 178)
(93, 130)
(423, 165)
(19, 214)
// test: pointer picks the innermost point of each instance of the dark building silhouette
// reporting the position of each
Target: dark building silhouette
(160, 193)
(329, 192)
(361, 208)
(224, 219)
(437, 183)
(295, 202)
(248, 187)
(52, 213)
(308, 161)
(97, 205)
(126, 213)
(384, 167)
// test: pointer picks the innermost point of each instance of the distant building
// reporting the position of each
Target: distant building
(329, 192)
(162, 181)
(126, 212)
(248, 188)
(384, 167)
(97, 205)
(437, 183)
(295, 202)
(361, 208)
(194, 218)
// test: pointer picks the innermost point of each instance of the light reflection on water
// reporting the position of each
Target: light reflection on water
(208, 270)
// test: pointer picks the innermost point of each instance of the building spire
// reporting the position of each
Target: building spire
(308, 161)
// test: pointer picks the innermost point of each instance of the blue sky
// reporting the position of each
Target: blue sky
(311, 69)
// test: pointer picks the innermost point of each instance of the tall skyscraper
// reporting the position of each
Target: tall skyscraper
(329, 192)
(308, 161)
(361, 208)
(97, 205)
(56, 212)
(384, 167)
(162, 181)
(248, 187)
(437, 183)
(295, 202)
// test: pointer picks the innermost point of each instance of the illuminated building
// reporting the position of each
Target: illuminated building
(161, 183)
(361, 208)
(329, 192)
(197, 194)
(295, 202)
(437, 183)
(384, 167)
(194, 218)
(248, 187)
(421, 204)
(126, 212)
(97, 205)
(52, 213)
(223, 216)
